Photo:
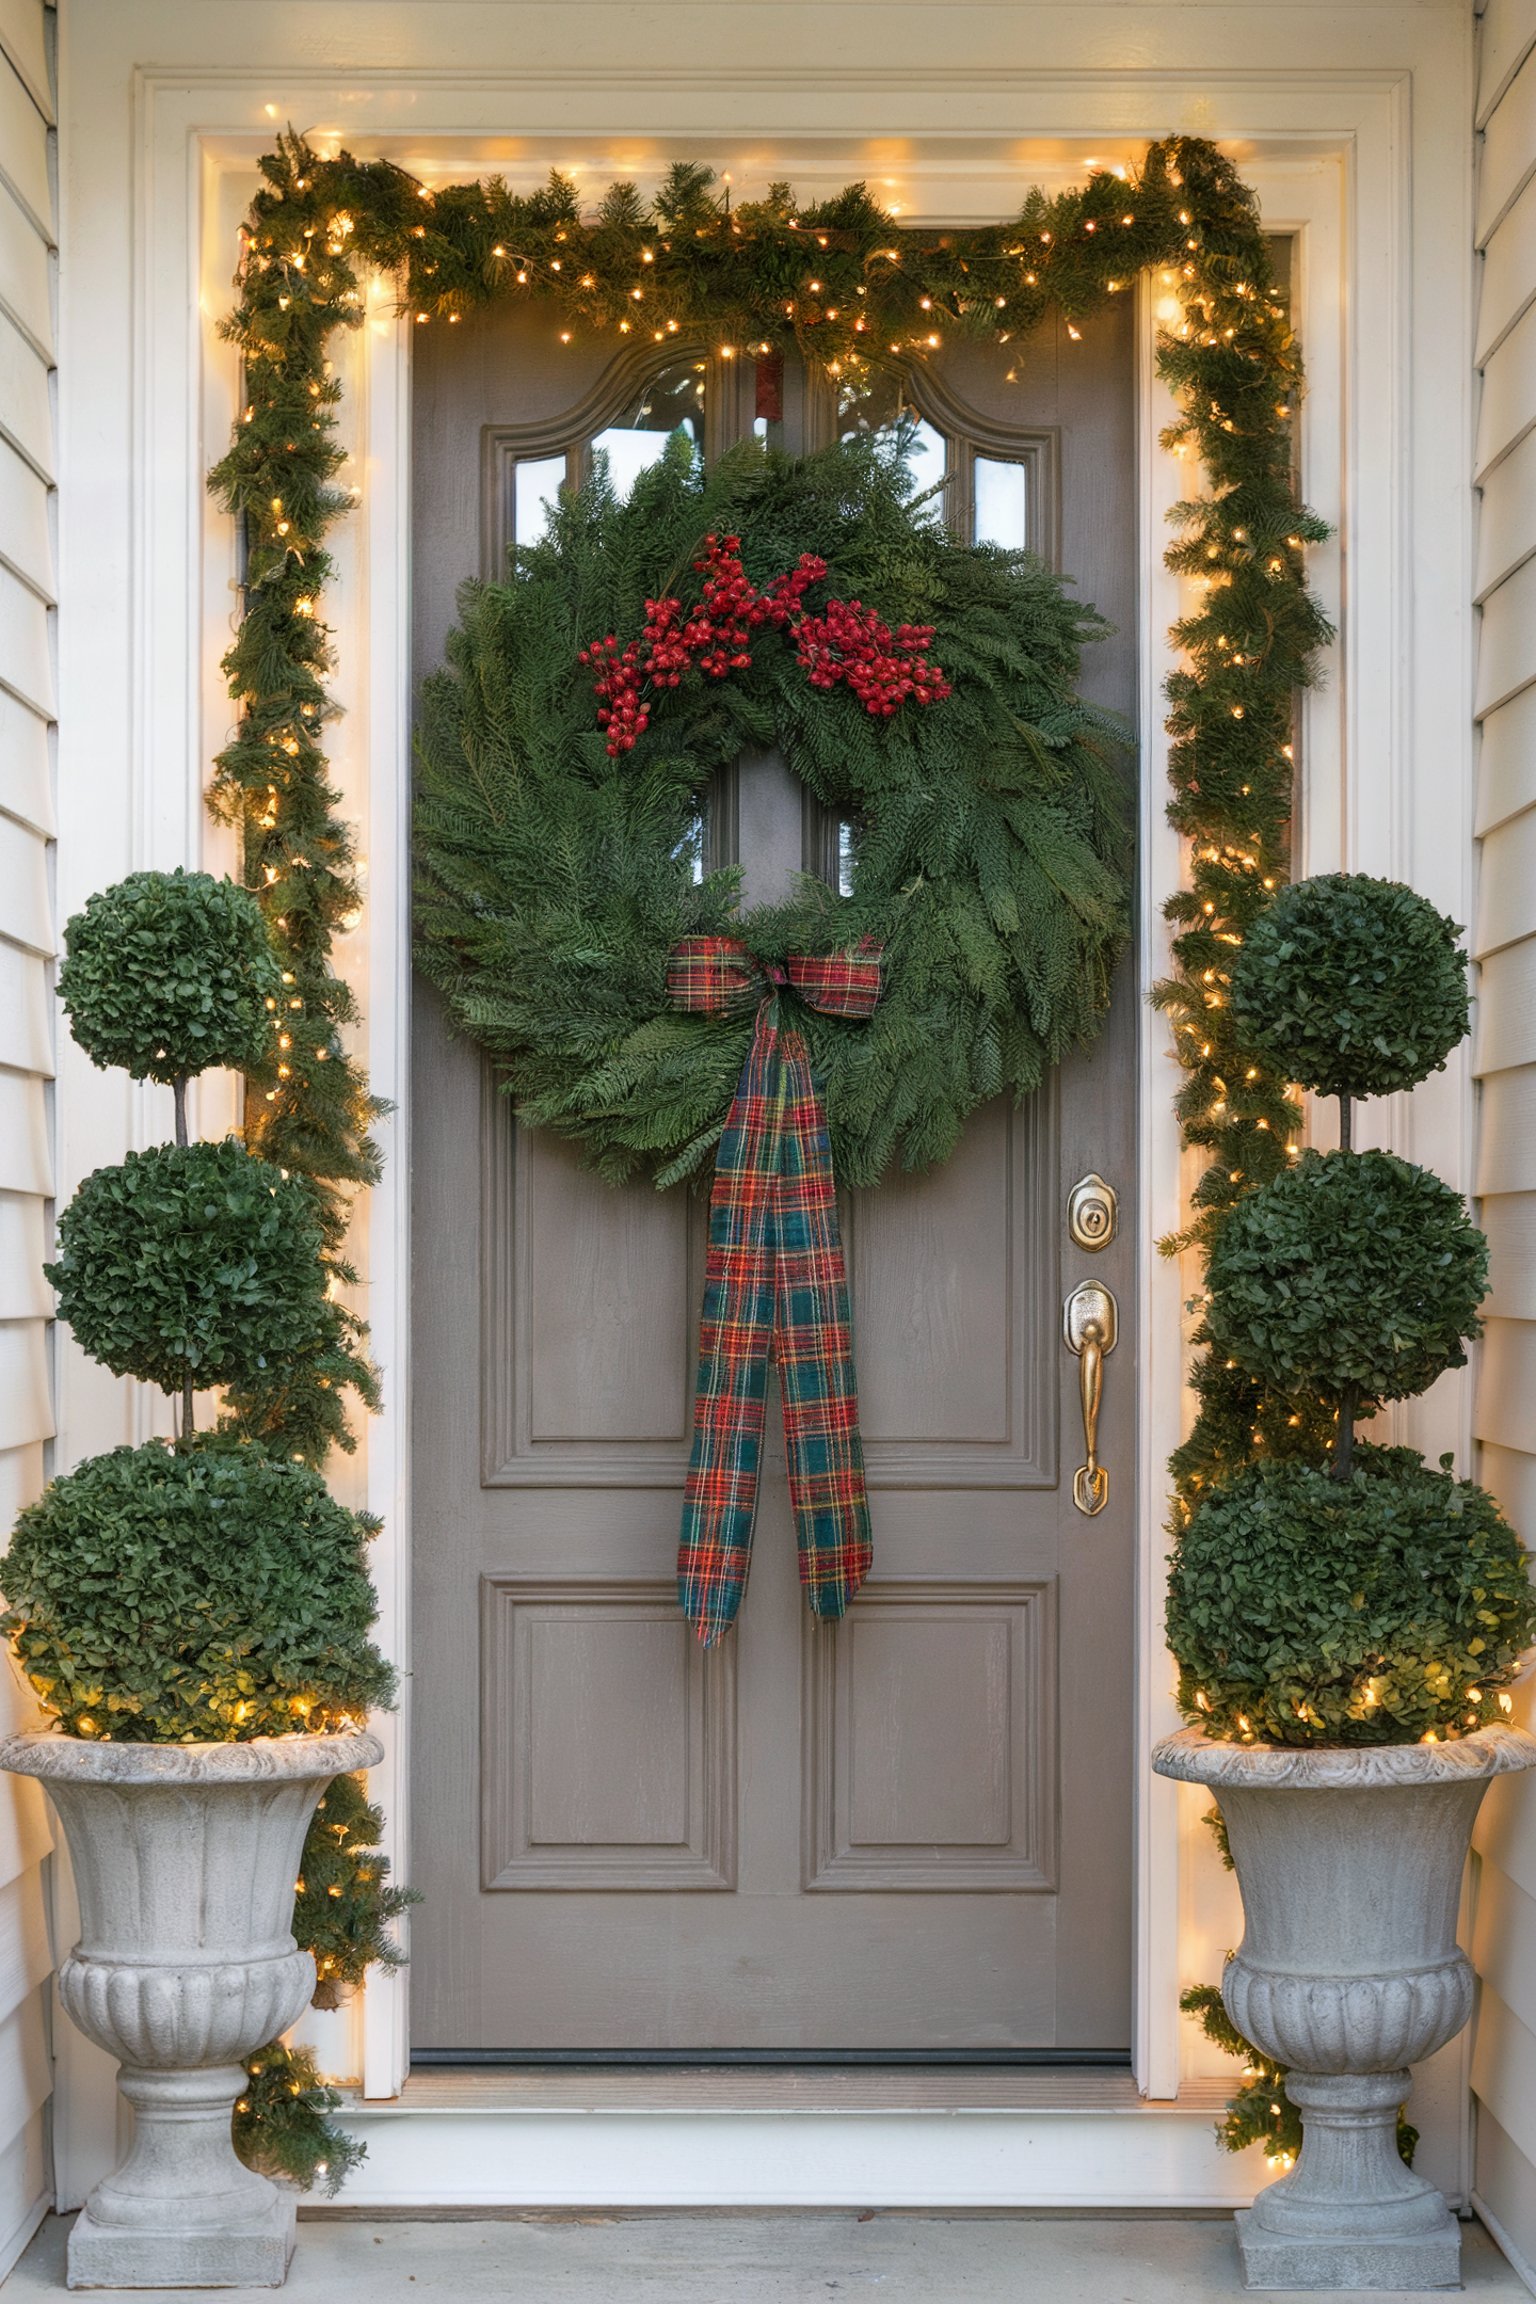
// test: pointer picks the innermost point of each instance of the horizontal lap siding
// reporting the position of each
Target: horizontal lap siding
(1504, 942)
(26, 1039)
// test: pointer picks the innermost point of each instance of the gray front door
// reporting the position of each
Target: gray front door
(910, 1831)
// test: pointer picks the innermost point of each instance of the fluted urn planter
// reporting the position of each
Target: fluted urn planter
(185, 1857)
(1350, 1863)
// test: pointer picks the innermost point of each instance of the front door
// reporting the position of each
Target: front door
(910, 1831)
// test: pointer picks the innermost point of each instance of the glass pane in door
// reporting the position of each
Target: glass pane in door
(537, 480)
(876, 405)
(671, 402)
(1001, 497)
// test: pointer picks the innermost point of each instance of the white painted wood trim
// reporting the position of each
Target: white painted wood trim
(1153, 2157)
(13, 2244)
(1385, 753)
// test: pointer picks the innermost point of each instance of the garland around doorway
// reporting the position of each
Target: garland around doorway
(854, 291)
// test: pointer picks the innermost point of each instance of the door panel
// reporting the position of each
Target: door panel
(932, 1741)
(950, 1275)
(609, 1740)
(908, 1831)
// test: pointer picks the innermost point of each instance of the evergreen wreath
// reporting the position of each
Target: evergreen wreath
(559, 860)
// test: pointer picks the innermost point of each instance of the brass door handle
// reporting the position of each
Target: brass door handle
(1090, 1321)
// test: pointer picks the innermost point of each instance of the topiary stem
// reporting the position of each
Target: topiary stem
(1345, 1130)
(1344, 1442)
(188, 1418)
(179, 1092)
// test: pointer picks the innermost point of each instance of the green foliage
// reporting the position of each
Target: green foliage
(1378, 1609)
(194, 1262)
(282, 2125)
(168, 973)
(1260, 2112)
(992, 832)
(201, 1594)
(1352, 986)
(1355, 1269)
(345, 1906)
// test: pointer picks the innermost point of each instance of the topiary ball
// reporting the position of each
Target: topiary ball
(193, 1260)
(208, 1593)
(1374, 1610)
(1352, 986)
(170, 972)
(1351, 1268)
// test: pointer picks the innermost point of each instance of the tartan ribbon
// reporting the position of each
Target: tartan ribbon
(775, 1287)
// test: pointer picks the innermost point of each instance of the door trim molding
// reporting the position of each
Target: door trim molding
(1375, 188)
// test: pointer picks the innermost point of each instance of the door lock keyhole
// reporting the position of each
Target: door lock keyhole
(1092, 1212)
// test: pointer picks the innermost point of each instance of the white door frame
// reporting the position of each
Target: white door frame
(1375, 191)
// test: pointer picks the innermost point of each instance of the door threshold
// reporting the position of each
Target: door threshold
(793, 2059)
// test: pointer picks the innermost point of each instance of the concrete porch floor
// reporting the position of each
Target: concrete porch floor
(592, 2258)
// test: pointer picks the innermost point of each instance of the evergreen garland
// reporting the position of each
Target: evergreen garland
(1260, 2111)
(344, 1904)
(342, 1913)
(283, 2126)
(851, 288)
(991, 829)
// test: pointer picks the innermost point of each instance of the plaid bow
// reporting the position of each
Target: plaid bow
(775, 1285)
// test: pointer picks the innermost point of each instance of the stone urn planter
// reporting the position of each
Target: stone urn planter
(1350, 1863)
(185, 1856)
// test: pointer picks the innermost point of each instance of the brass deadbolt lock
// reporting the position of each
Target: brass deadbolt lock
(1092, 1212)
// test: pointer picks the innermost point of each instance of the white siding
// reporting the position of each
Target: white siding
(26, 1037)
(1504, 941)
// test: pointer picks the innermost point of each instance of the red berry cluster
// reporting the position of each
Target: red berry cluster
(881, 667)
(848, 643)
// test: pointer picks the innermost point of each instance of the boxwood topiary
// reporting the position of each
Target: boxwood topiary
(170, 972)
(1375, 1609)
(208, 1592)
(1351, 985)
(1355, 1272)
(191, 1265)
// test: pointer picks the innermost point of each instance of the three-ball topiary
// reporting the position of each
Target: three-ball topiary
(211, 1590)
(1370, 1599)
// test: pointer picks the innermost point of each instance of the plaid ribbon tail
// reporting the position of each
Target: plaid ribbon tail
(735, 1339)
(813, 1345)
(776, 1285)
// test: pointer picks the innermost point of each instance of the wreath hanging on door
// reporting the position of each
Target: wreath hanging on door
(925, 694)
